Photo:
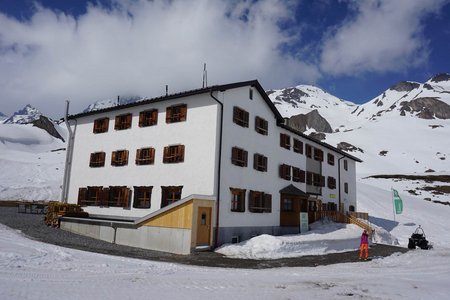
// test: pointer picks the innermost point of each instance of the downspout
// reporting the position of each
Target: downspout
(216, 240)
(339, 182)
(69, 152)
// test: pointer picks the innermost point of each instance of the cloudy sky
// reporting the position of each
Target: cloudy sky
(87, 50)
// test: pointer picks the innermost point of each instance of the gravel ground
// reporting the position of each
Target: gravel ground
(32, 225)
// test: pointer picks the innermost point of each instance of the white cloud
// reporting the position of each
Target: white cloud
(382, 36)
(137, 47)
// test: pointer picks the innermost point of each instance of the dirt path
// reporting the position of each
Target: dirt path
(33, 226)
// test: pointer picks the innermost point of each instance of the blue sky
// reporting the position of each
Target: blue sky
(53, 50)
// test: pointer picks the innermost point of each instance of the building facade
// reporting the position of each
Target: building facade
(227, 142)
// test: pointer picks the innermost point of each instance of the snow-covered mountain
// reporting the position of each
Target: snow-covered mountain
(102, 104)
(2, 117)
(26, 115)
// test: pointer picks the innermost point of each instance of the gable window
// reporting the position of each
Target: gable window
(260, 202)
(331, 182)
(170, 194)
(239, 157)
(173, 154)
(119, 158)
(148, 118)
(176, 113)
(250, 94)
(330, 158)
(145, 156)
(240, 116)
(101, 125)
(298, 146)
(118, 196)
(346, 188)
(298, 175)
(285, 171)
(285, 141)
(142, 196)
(261, 126)
(308, 150)
(97, 160)
(237, 200)
(318, 154)
(123, 122)
(345, 165)
(260, 162)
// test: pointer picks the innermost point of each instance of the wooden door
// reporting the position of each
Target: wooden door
(203, 226)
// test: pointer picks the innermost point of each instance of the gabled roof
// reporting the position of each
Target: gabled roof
(220, 88)
(293, 190)
(214, 88)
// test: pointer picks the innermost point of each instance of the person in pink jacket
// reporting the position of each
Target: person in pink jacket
(364, 246)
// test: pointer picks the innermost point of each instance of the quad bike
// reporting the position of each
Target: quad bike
(418, 239)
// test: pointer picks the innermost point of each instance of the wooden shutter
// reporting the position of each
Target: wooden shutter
(322, 181)
(141, 118)
(267, 202)
(113, 158)
(245, 157)
(169, 115)
(251, 201)
(180, 153)
(104, 197)
(128, 120)
(166, 154)
(246, 117)
(82, 195)
(138, 156)
(125, 196)
(92, 160)
(154, 117)
(152, 155)
(125, 161)
(302, 176)
(183, 112)
(117, 123)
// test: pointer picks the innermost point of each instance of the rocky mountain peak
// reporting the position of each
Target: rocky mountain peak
(441, 77)
(47, 125)
(26, 115)
(313, 120)
(405, 86)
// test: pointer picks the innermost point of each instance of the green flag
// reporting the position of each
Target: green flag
(398, 203)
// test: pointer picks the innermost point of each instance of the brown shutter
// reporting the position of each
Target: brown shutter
(246, 117)
(183, 112)
(169, 115)
(82, 195)
(245, 157)
(251, 201)
(267, 202)
(91, 161)
(233, 154)
(113, 158)
(102, 158)
(154, 117)
(126, 157)
(181, 153)
(125, 193)
(152, 155)
(166, 154)
(138, 156)
(117, 122)
(141, 118)
(255, 161)
(322, 181)
(104, 201)
(128, 118)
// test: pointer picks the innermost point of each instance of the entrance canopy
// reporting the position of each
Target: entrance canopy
(292, 190)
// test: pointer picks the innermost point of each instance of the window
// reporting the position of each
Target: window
(173, 154)
(90, 196)
(250, 94)
(287, 205)
(97, 160)
(318, 154)
(330, 159)
(285, 172)
(260, 202)
(308, 150)
(345, 165)
(170, 194)
(309, 178)
(261, 126)
(118, 196)
(318, 180)
(331, 182)
(260, 162)
(142, 196)
(123, 122)
(239, 157)
(285, 141)
(298, 146)
(237, 200)
(148, 118)
(298, 175)
(101, 125)
(119, 158)
(346, 188)
(240, 116)
(176, 113)
(145, 156)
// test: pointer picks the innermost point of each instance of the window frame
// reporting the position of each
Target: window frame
(318, 154)
(330, 159)
(97, 159)
(237, 200)
(123, 121)
(331, 182)
(176, 113)
(285, 141)
(142, 198)
(173, 154)
(345, 165)
(119, 158)
(259, 202)
(145, 156)
(346, 187)
(285, 171)
(309, 150)
(119, 196)
(101, 125)
(260, 162)
(297, 146)
(174, 192)
(261, 125)
(239, 157)
(148, 118)
(240, 116)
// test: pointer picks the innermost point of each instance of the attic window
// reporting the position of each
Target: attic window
(101, 125)
(119, 158)
(123, 122)
(176, 113)
(250, 94)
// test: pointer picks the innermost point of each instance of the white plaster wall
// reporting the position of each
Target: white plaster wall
(196, 174)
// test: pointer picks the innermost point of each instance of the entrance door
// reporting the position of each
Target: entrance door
(203, 226)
